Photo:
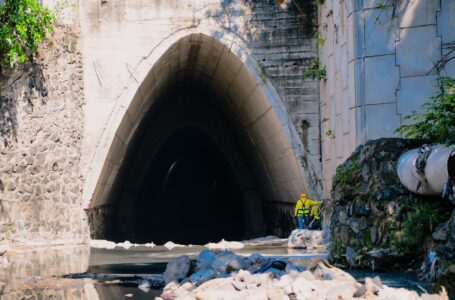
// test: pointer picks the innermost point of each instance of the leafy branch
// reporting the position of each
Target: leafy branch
(315, 70)
(437, 123)
(25, 23)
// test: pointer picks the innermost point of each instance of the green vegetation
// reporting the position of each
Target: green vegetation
(347, 172)
(320, 41)
(330, 133)
(262, 71)
(417, 228)
(25, 24)
(315, 71)
(437, 123)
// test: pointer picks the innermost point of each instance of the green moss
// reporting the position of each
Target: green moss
(346, 173)
(367, 243)
(337, 249)
(414, 236)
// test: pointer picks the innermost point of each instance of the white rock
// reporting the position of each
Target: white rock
(102, 244)
(125, 244)
(144, 286)
(307, 239)
(225, 245)
(171, 245)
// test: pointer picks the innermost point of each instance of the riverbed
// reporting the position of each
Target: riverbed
(81, 272)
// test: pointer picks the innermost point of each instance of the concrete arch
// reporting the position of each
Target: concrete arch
(222, 63)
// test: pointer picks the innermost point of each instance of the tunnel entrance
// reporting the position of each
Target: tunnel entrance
(198, 150)
(185, 178)
(191, 191)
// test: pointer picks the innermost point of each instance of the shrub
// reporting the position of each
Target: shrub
(416, 230)
(437, 123)
(315, 71)
(24, 24)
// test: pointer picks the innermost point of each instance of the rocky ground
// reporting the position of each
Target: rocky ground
(225, 275)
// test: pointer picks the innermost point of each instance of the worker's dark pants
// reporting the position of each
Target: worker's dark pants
(315, 225)
(304, 221)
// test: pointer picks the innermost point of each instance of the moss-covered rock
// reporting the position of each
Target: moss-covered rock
(376, 223)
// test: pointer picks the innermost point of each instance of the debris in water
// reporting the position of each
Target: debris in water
(170, 245)
(225, 245)
(129, 295)
(125, 244)
(102, 244)
(144, 286)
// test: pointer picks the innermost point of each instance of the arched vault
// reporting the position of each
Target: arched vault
(204, 84)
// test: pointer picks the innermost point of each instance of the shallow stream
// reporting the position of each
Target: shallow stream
(82, 272)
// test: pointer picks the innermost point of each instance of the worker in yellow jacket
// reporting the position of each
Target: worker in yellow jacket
(303, 209)
(315, 217)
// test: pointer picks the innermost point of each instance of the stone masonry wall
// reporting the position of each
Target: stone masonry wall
(383, 59)
(41, 122)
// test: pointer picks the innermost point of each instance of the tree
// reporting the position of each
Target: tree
(24, 24)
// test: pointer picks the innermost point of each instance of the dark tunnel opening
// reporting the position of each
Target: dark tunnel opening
(187, 176)
(451, 166)
(191, 191)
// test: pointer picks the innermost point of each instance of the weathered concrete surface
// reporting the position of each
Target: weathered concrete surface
(251, 54)
(380, 67)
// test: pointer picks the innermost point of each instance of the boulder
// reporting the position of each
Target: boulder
(306, 239)
(177, 269)
(202, 276)
(229, 262)
(205, 259)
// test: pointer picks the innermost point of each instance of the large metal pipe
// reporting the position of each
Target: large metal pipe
(434, 174)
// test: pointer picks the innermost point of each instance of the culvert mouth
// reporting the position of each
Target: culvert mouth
(190, 194)
(451, 166)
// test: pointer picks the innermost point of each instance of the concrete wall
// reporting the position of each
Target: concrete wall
(59, 137)
(380, 66)
(122, 40)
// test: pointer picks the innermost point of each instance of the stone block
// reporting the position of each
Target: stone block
(381, 121)
(449, 69)
(344, 77)
(413, 93)
(381, 79)
(418, 13)
(357, 21)
(345, 111)
(338, 136)
(360, 132)
(417, 50)
(352, 6)
(446, 21)
(380, 32)
(372, 3)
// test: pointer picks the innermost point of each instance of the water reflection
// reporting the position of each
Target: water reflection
(79, 273)
(29, 273)
(38, 273)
